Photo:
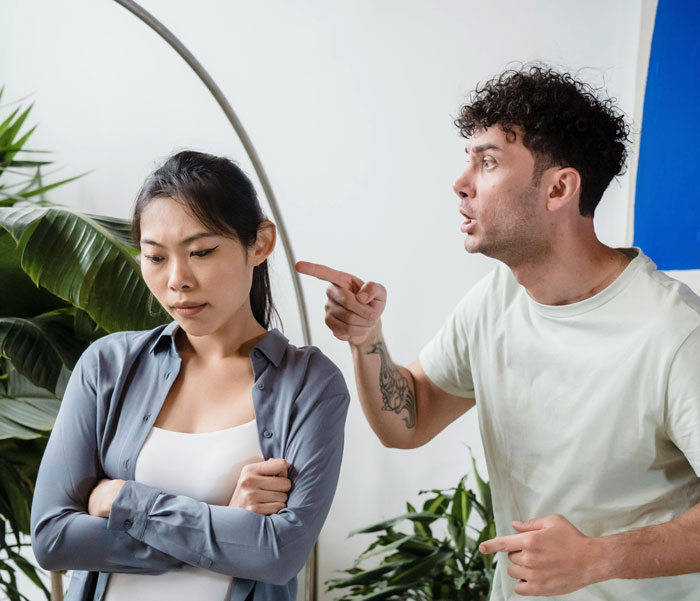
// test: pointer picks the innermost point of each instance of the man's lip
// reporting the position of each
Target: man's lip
(465, 214)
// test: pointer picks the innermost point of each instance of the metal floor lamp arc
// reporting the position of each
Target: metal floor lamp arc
(310, 593)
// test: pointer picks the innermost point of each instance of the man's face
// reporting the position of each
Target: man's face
(504, 211)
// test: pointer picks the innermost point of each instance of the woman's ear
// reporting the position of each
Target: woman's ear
(264, 243)
(564, 187)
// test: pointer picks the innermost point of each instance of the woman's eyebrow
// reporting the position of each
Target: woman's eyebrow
(182, 242)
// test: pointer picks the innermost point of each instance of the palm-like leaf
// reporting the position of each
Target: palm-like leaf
(40, 347)
(26, 411)
(19, 296)
(81, 261)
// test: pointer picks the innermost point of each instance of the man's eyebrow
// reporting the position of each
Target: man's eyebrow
(482, 148)
(182, 242)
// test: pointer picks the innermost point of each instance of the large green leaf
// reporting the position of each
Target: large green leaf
(26, 411)
(19, 296)
(119, 228)
(419, 569)
(80, 261)
(364, 576)
(484, 492)
(422, 516)
(40, 347)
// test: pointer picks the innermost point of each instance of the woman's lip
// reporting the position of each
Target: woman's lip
(188, 311)
(468, 226)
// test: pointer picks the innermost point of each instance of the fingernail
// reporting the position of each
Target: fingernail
(362, 297)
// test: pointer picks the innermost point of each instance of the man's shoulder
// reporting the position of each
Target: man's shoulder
(670, 300)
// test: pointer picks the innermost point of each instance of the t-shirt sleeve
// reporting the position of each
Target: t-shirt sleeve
(683, 402)
(445, 359)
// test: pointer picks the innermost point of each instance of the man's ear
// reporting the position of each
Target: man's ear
(264, 242)
(563, 188)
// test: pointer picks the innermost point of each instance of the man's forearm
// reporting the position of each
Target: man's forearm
(386, 391)
(667, 549)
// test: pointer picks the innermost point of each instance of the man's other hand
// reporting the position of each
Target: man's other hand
(549, 556)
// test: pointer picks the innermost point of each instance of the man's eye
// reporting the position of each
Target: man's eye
(203, 253)
(488, 162)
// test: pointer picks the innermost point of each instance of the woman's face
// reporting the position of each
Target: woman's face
(202, 279)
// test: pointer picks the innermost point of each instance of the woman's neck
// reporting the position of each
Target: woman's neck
(235, 339)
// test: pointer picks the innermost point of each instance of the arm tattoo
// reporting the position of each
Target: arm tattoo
(396, 393)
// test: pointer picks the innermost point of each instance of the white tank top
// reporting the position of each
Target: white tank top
(206, 467)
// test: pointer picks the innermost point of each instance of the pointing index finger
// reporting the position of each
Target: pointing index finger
(322, 272)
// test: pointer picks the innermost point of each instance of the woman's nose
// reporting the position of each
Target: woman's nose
(180, 276)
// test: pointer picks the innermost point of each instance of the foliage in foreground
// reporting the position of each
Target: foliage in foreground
(422, 565)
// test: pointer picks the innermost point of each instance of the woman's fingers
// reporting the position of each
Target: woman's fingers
(262, 486)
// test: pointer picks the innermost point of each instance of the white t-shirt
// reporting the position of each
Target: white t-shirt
(590, 410)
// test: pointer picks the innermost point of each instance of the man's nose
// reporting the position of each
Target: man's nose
(464, 186)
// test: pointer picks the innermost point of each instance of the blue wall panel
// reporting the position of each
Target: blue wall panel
(667, 203)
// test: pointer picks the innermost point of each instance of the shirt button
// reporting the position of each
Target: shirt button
(127, 524)
(167, 375)
(146, 418)
(261, 386)
(256, 353)
(126, 464)
(267, 434)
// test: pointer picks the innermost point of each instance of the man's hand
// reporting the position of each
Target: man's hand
(354, 307)
(102, 497)
(262, 487)
(550, 556)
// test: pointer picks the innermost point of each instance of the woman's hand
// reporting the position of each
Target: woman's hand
(262, 487)
(102, 497)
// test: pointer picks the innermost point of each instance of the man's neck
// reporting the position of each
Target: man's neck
(570, 272)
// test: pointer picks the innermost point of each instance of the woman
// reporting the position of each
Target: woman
(139, 478)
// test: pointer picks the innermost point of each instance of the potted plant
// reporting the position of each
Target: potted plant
(438, 559)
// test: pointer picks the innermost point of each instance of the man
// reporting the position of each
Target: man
(583, 359)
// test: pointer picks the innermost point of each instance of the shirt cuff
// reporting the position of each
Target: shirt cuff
(131, 508)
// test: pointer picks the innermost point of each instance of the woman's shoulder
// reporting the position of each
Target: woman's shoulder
(310, 364)
(126, 343)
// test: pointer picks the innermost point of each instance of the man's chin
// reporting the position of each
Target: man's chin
(471, 245)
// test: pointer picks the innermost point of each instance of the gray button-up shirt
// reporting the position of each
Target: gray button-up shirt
(111, 402)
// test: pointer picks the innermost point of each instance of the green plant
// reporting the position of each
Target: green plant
(67, 279)
(426, 565)
(27, 182)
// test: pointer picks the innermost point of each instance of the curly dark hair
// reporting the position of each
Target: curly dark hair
(563, 120)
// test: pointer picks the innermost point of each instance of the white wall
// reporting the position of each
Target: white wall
(349, 104)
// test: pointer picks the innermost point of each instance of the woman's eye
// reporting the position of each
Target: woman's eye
(203, 253)
(153, 259)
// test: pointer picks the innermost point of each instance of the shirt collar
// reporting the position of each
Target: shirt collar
(168, 333)
(273, 345)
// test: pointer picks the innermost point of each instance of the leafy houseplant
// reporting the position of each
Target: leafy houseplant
(67, 279)
(423, 565)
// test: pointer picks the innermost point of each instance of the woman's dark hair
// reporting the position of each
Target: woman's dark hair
(564, 123)
(216, 192)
